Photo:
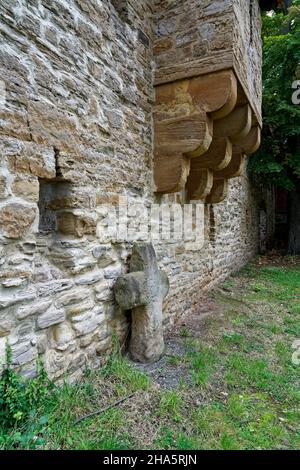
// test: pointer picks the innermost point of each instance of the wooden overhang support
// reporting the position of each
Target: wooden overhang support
(204, 127)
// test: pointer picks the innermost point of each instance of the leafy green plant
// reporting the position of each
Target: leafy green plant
(20, 397)
(20, 401)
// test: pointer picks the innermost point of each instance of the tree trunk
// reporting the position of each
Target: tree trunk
(294, 222)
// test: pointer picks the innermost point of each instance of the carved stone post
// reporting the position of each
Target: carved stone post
(143, 291)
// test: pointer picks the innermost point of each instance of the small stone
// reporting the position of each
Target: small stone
(23, 353)
(6, 325)
(89, 324)
(51, 317)
(3, 187)
(166, 27)
(77, 309)
(16, 219)
(104, 255)
(42, 343)
(104, 345)
(14, 278)
(28, 247)
(103, 291)
(53, 287)
(89, 279)
(72, 297)
(30, 310)
(112, 272)
(62, 335)
(9, 300)
(38, 160)
(116, 120)
(25, 329)
(27, 188)
(70, 223)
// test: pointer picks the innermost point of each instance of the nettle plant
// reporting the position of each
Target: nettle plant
(20, 400)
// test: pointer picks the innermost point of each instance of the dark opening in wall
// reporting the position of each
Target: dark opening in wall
(212, 225)
(121, 7)
(251, 21)
(281, 219)
(47, 222)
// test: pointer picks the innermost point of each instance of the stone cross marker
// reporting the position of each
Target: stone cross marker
(143, 291)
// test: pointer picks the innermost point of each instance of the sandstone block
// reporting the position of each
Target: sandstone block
(6, 325)
(39, 160)
(89, 324)
(51, 317)
(112, 272)
(80, 307)
(25, 311)
(26, 188)
(70, 223)
(16, 219)
(3, 187)
(23, 353)
(62, 336)
(104, 255)
(73, 297)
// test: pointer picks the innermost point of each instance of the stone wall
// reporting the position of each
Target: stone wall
(75, 134)
(195, 37)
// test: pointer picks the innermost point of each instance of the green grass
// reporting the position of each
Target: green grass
(238, 387)
(171, 404)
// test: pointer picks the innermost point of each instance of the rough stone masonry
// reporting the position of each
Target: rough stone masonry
(80, 81)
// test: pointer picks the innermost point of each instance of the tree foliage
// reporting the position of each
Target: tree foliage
(278, 160)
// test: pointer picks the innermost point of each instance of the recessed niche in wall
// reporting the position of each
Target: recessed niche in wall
(47, 221)
(121, 7)
(212, 224)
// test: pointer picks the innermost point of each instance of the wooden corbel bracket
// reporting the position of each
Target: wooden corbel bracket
(183, 125)
(204, 128)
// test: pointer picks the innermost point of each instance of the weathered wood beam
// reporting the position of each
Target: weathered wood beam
(219, 191)
(183, 134)
(236, 125)
(196, 121)
(251, 143)
(216, 93)
(199, 184)
(235, 167)
(217, 157)
(170, 172)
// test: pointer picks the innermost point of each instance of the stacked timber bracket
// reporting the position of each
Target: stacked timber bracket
(206, 121)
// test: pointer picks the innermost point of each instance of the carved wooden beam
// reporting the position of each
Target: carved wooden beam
(183, 127)
(199, 184)
(216, 93)
(251, 143)
(183, 134)
(217, 157)
(235, 167)
(171, 172)
(203, 128)
(219, 191)
(248, 145)
(236, 125)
